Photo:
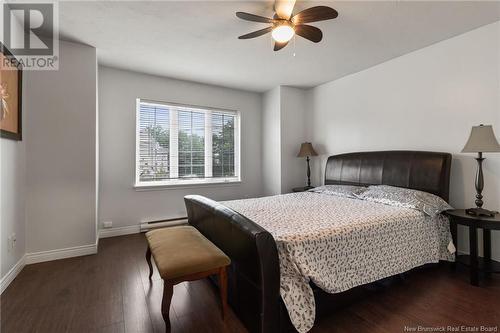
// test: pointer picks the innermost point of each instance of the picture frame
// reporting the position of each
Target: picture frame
(11, 84)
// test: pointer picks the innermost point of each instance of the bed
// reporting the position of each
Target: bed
(246, 231)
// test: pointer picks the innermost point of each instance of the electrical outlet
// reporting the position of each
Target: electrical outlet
(12, 241)
(107, 224)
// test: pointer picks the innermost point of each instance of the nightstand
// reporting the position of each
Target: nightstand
(302, 189)
(476, 264)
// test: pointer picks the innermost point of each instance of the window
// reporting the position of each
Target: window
(180, 144)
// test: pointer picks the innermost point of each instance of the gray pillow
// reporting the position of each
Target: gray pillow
(427, 203)
(346, 191)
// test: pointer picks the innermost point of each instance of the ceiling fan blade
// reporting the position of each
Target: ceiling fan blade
(254, 18)
(309, 32)
(278, 46)
(284, 8)
(256, 33)
(315, 14)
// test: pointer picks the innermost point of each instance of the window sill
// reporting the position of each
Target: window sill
(161, 187)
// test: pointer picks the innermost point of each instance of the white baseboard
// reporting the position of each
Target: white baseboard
(12, 273)
(77, 251)
(119, 231)
(36, 257)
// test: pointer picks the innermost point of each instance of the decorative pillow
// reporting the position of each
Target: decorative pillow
(427, 203)
(346, 191)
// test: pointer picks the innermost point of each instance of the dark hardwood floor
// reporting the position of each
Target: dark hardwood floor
(110, 292)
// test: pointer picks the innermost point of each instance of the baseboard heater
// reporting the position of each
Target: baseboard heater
(145, 226)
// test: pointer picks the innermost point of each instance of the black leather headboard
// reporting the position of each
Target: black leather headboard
(419, 170)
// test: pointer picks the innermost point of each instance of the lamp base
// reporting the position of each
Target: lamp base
(480, 212)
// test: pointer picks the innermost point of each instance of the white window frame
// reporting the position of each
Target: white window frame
(173, 161)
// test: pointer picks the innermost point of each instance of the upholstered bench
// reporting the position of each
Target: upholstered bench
(182, 253)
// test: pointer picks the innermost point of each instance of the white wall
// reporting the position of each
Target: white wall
(60, 151)
(271, 141)
(118, 90)
(425, 100)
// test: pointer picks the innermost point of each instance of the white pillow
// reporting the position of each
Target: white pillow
(425, 202)
(346, 191)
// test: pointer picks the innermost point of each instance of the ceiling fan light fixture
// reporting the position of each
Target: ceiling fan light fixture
(283, 33)
(283, 26)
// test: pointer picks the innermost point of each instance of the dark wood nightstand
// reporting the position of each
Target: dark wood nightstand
(476, 264)
(302, 189)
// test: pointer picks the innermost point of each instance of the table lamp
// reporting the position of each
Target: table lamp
(482, 140)
(307, 150)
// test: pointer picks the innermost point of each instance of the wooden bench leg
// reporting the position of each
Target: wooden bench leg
(223, 290)
(148, 259)
(168, 291)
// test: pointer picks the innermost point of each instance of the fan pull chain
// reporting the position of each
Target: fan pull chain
(294, 38)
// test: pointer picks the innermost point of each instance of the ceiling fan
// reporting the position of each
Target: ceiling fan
(284, 25)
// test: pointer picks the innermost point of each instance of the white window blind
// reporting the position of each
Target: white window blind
(180, 144)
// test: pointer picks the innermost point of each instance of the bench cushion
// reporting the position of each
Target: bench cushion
(183, 250)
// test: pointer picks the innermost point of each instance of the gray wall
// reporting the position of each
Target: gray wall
(425, 100)
(294, 110)
(12, 194)
(284, 128)
(60, 151)
(12, 200)
(118, 90)
(271, 141)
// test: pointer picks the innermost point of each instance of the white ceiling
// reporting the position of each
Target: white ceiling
(197, 41)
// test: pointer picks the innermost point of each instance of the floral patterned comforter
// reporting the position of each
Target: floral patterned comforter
(340, 243)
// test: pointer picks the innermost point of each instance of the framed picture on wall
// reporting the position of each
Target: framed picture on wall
(11, 76)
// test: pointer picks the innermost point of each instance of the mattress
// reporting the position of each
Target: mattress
(339, 243)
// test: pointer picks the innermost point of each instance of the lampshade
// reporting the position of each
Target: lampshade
(482, 139)
(306, 149)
